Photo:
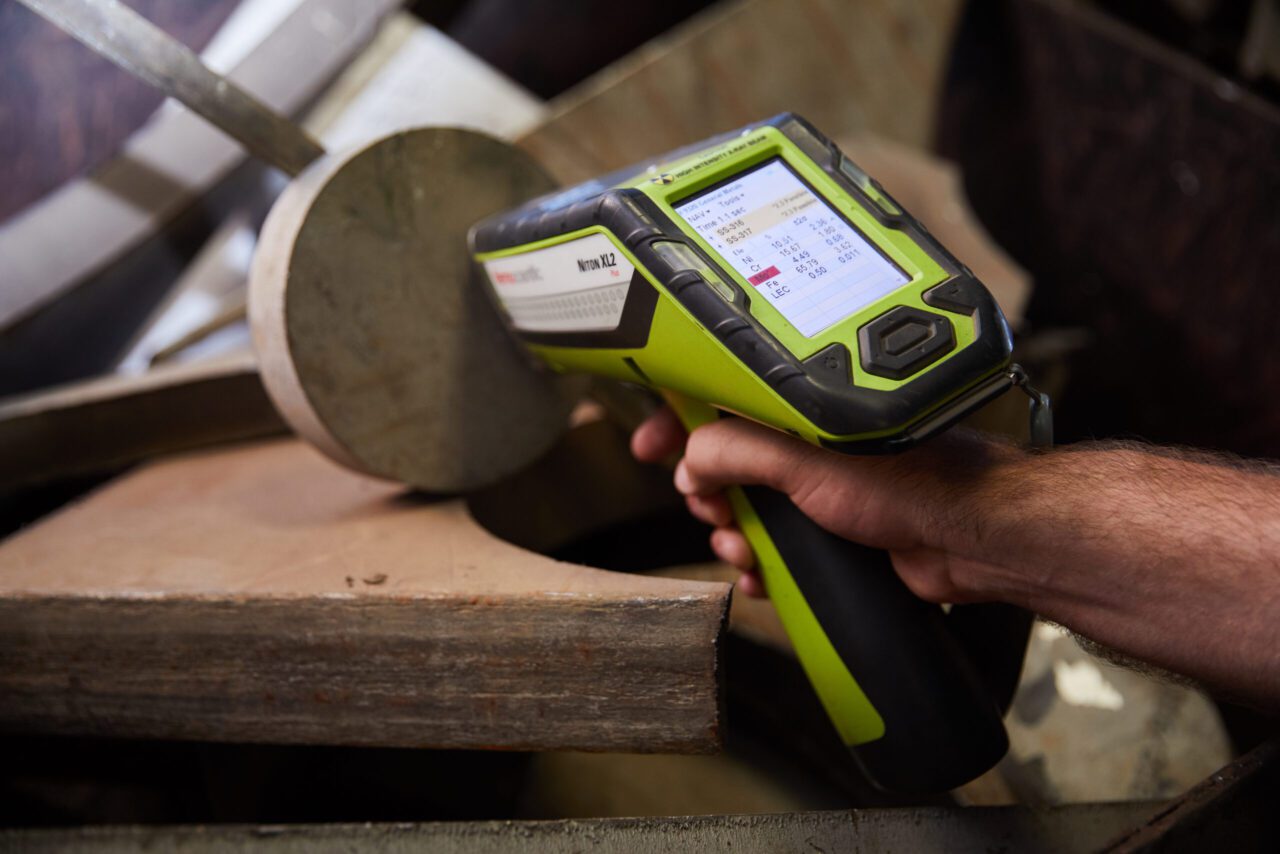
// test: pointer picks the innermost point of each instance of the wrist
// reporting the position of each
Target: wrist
(992, 514)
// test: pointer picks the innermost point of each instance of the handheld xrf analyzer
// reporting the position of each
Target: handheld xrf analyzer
(762, 273)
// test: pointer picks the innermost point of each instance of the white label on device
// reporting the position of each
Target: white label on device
(792, 247)
(576, 286)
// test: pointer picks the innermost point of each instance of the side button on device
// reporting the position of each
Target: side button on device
(680, 257)
(902, 341)
(830, 365)
(869, 186)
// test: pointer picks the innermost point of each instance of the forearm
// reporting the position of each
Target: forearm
(1167, 558)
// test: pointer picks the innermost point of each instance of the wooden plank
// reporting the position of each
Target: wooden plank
(874, 66)
(108, 423)
(262, 594)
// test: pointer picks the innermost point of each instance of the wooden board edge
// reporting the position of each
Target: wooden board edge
(105, 424)
(545, 673)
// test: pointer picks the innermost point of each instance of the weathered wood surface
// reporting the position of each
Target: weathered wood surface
(1190, 241)
(1081, 828)
(99, 425)
(875, 66)
(262, 594)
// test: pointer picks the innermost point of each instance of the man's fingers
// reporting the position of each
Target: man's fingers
(736, 451)
(731, 547)
(861, 499)
(713, 509)
(750, 584)
(660, 437)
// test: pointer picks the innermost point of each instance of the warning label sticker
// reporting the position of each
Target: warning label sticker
(577, 286)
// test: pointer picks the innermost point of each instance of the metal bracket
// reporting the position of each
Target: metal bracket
(1040, 409)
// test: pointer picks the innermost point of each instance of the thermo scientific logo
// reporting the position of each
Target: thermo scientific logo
(518, 277)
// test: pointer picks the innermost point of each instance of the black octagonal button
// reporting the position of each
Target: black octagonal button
(902, 341)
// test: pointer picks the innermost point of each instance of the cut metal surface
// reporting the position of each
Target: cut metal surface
(373, 338)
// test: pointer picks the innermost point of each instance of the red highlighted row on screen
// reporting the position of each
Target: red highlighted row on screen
(763, 276)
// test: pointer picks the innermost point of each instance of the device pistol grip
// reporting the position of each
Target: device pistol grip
(896, 683)
(896, 663)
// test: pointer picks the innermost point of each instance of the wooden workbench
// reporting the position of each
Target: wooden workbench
(260, 593)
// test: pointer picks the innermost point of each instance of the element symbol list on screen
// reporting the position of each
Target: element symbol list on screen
(807, 261)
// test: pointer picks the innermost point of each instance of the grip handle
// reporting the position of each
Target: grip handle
(900, 689)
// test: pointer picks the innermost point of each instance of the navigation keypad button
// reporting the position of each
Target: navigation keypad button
(904, 340)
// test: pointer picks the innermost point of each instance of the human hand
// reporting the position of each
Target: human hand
(902, 504)
(1166, 556)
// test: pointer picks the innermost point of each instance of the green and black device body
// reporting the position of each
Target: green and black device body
(761, 273)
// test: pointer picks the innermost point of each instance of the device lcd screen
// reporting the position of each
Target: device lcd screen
(791, 246)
